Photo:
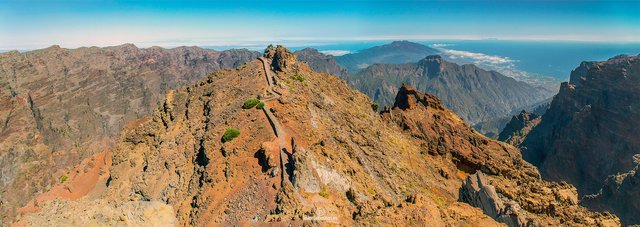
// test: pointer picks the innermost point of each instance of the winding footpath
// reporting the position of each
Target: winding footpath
(275, 124)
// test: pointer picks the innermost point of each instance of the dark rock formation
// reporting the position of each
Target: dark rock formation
(477, 191)
(282, 58)
(619, 195)
(516, 130)
(592, 128)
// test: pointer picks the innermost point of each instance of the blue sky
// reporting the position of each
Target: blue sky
(29, 24)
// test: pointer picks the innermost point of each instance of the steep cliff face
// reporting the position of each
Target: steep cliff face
(619, 195)
(61, 105)
(475, 94)
(591, 129)
(322, 63)
(317, 151)
(517, 129)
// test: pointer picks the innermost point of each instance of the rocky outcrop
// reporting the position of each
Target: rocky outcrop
(473, 93)
(465, 152)
(60, 106)
(282, 58)
(619, 195)
(322, 63)
(592, 127)
(477, 191)
(517, 129)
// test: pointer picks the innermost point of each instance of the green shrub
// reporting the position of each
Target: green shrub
(230, 134)
(298, 77)
(64, 178)
(260, 105)
(250, 103)
(375, 106)
(323, 191)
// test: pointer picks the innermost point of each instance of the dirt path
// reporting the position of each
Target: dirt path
(279, 132)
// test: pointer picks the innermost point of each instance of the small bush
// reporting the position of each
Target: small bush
(64, 178)
(260, 105)
(323, 191)
(375, 106)
(230, 134)
(250, 103)
(298, 77)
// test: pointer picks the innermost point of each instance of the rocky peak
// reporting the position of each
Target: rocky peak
(282, 58)
(409, 98)
(514, 132)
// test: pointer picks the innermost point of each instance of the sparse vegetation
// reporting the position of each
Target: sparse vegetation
(64, 178)
(298, 77)
(230, 134)
(323, 191)
(250, 103)
(260, 105)
(375, 106)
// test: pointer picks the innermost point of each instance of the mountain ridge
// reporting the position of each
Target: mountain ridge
(345, 163)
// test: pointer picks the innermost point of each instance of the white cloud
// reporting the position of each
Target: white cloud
(335, 52)
(479, 58)
(436, 45)
(504, 65)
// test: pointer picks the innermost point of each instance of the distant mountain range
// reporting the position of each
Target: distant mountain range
(482, 97)
(394, 53)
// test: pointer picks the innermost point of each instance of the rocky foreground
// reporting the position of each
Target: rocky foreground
(317, 152)
(59, 106)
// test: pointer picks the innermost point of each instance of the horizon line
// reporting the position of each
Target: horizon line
(304, 41)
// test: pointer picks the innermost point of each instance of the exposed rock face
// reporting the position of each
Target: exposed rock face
(619, 195)
(322, 63)
(394, 53)
(101, 213)
(473, 93)
(282, 57)
(347, 164)
(592, 129)
(477, 191)
(442, 134)
(517, 129)
(60, 106)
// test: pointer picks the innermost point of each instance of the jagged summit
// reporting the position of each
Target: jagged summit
(282, 58)
(409, 98)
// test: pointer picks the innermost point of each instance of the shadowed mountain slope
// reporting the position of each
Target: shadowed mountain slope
(475, 94)
(591, 131)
